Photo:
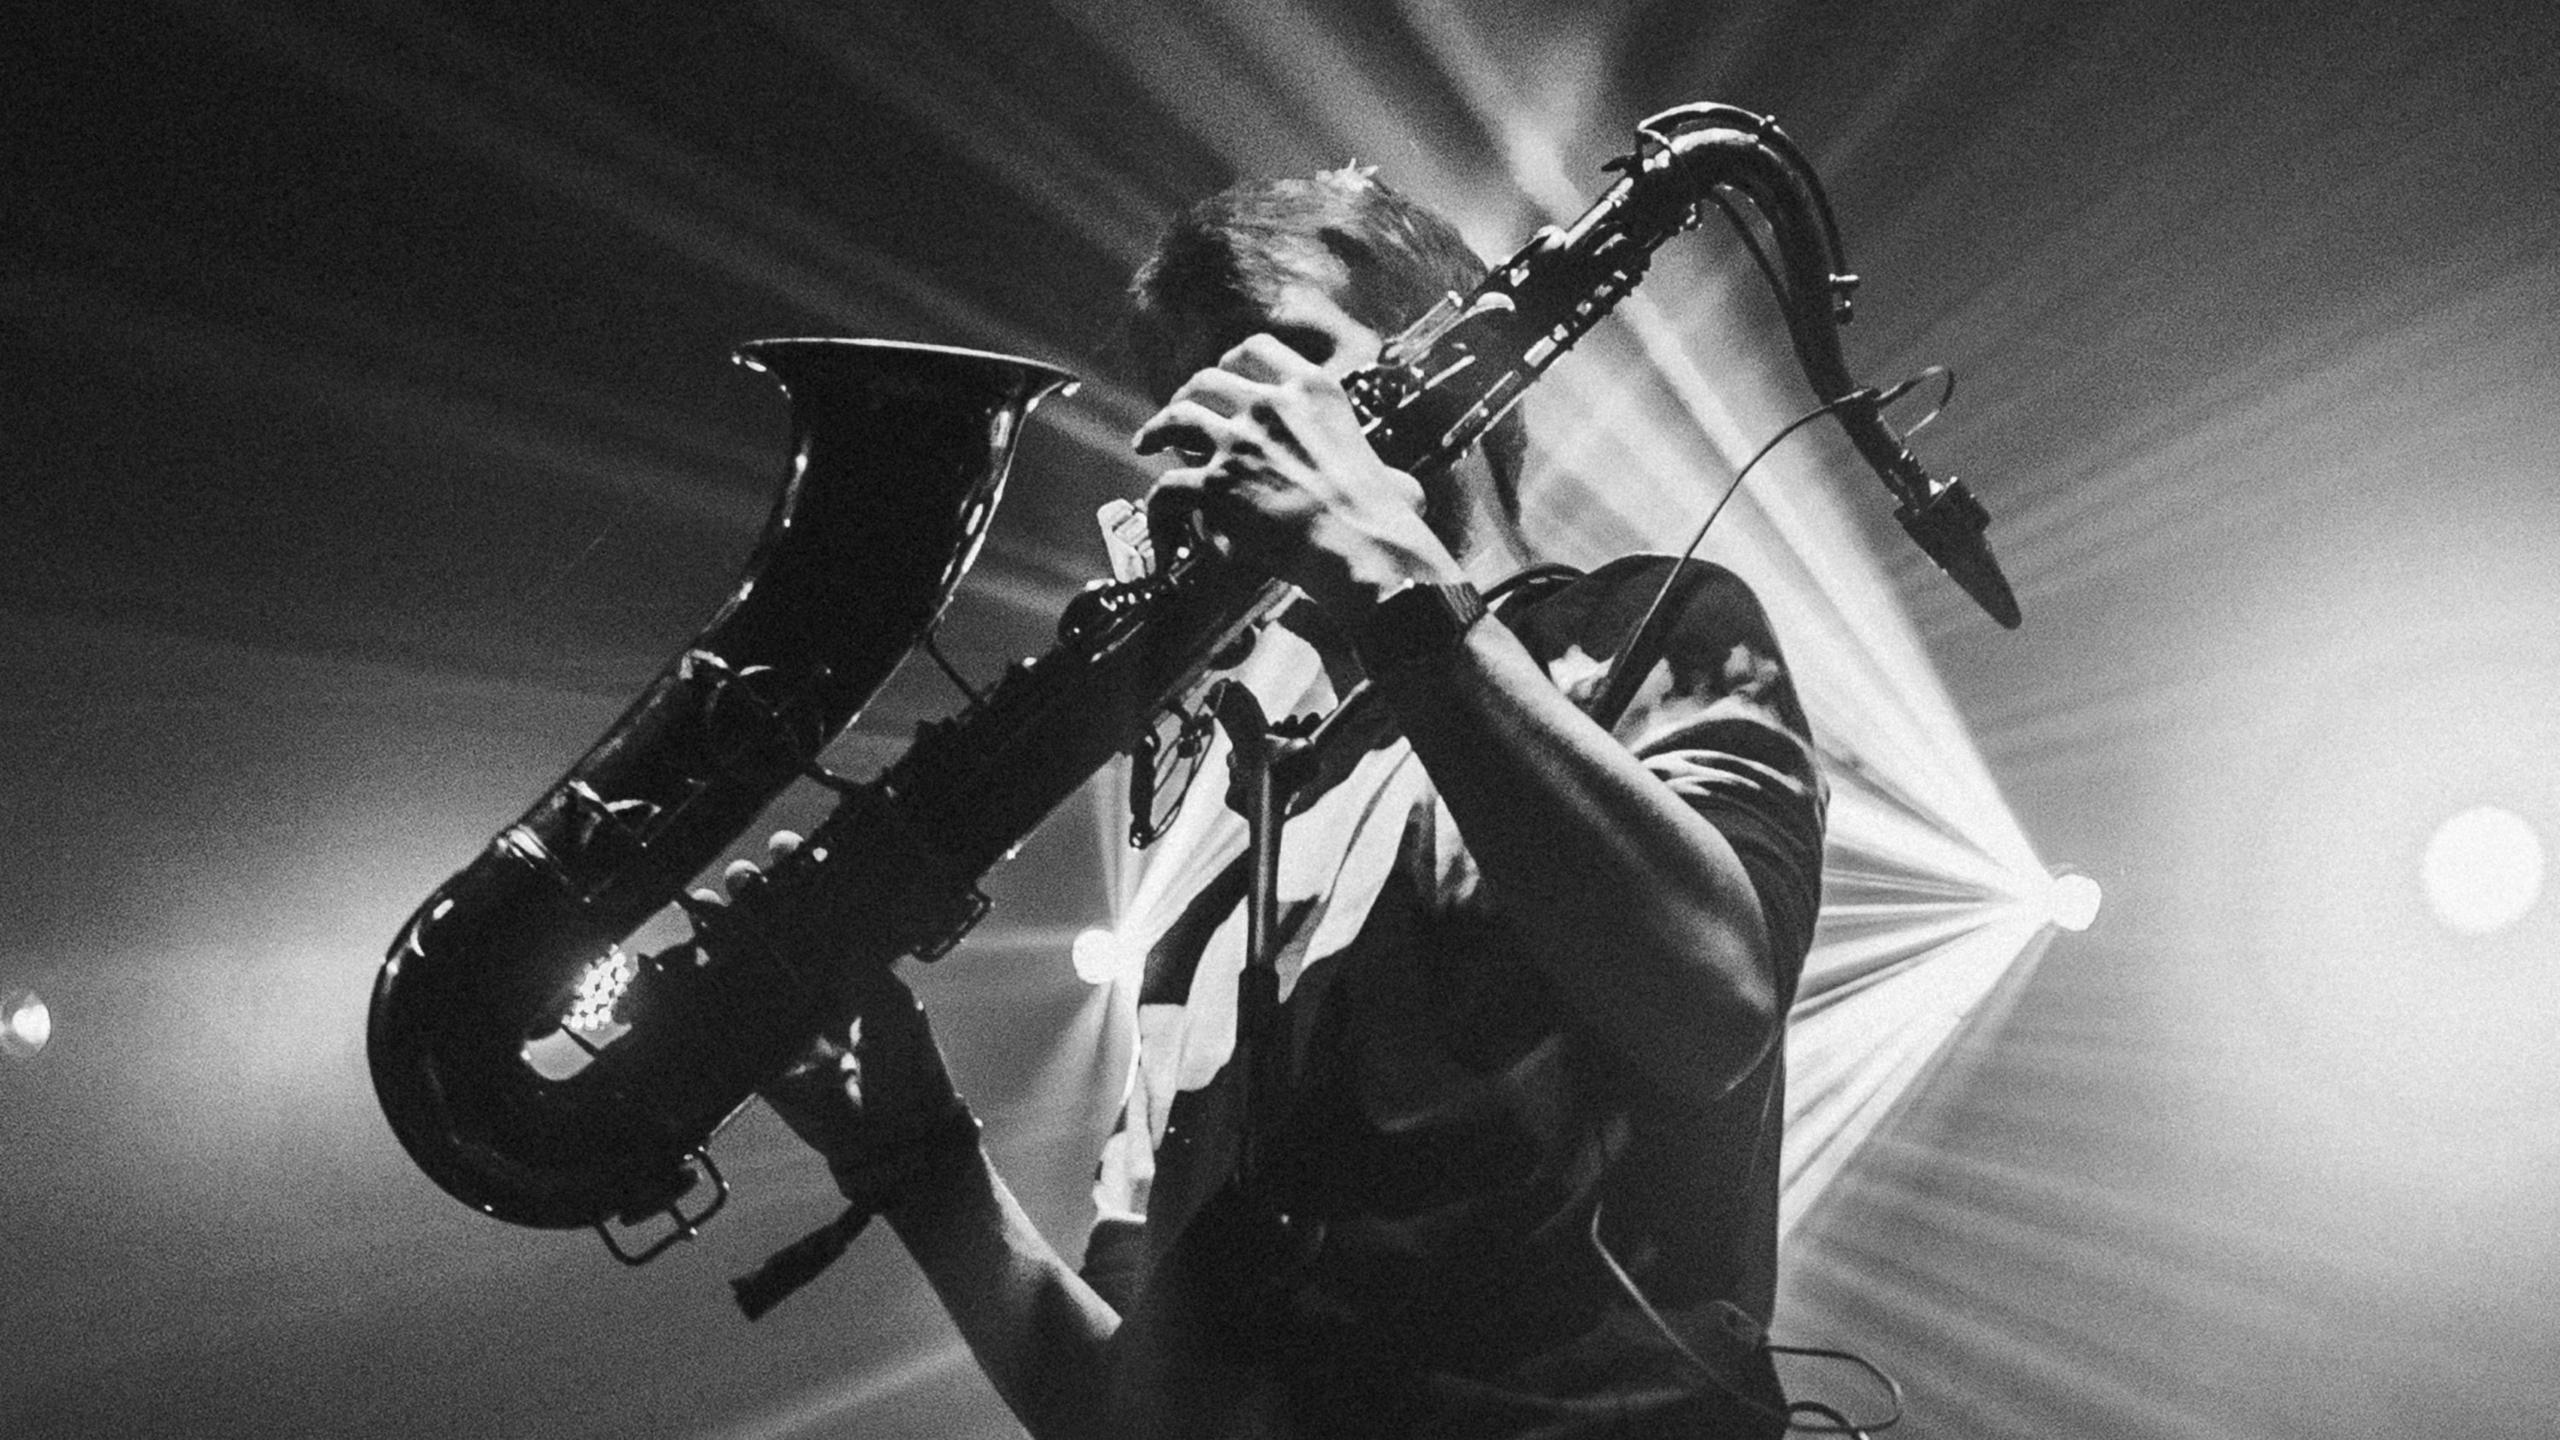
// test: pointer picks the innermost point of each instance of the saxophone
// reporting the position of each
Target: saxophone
(544, 1076)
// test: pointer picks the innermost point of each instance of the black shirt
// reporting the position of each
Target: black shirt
(1425, 1241)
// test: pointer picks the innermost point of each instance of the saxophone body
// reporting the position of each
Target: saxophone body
(496, 1035)
(899, 457)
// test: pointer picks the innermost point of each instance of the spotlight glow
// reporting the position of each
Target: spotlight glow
(2072, 902)
(26, 1023)
(1096, 954)
(2482, 870)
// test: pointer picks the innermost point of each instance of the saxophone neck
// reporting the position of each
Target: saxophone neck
(1456, 371)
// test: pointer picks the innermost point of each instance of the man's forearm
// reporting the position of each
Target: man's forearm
(1036, 1329)
(1636, 907)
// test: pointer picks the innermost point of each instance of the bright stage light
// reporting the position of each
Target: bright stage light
(26, 1023)
(1096, 954)
(2482, 870)
(2071, 902)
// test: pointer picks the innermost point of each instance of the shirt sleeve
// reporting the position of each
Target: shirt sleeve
(1715, 715)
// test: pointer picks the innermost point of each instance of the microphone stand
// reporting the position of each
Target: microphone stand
(1255, 790)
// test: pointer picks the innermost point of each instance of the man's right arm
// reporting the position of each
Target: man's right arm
(896, 1135)
(1035, 1327)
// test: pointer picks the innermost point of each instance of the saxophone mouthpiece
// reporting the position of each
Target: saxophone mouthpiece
(1949, 526)
(1940, 515)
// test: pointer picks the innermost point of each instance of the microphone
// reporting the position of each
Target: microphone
(1948, 523)
(1940, 515)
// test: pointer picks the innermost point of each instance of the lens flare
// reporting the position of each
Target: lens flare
(26, 1023)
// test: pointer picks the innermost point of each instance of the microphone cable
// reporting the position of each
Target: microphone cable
(1619, 689)
(1839, 1422)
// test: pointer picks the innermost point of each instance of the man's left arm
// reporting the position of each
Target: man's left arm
(1637, 906)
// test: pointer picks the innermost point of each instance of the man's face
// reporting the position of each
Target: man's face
(1304, 315)
(1301, 313)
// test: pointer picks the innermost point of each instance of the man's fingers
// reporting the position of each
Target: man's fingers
(824, 1057)
(1192, 514)
(1185, 426)
(1265, 358)
(1222, 391)
(742, 876)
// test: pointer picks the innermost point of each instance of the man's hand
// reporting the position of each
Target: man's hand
(1278, 471)
(878, 1104)
(872, 1097)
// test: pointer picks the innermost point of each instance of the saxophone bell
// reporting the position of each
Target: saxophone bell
(529, 1065)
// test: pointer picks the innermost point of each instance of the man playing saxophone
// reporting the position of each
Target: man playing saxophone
(1514, 1169)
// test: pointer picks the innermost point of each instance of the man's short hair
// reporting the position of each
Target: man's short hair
(1222, 262)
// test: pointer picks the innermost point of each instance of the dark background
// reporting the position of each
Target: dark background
(367, 439)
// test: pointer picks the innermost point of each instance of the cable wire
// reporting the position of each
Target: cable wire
(1619, 689)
